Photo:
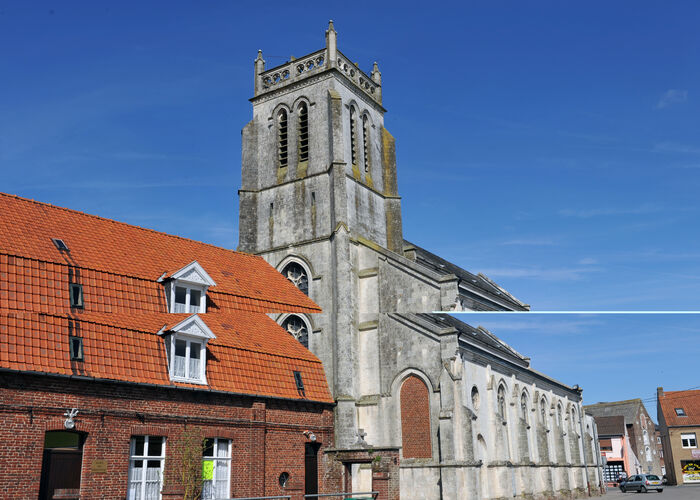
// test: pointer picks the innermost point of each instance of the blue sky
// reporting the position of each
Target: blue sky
(554, 145)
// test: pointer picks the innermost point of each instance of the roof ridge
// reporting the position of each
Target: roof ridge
(626, 401)
(78, 212)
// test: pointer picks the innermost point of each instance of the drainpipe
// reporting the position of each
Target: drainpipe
(583, 447)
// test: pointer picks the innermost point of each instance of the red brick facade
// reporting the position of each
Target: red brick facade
(267, 434)
(415, 419)
(119, 353)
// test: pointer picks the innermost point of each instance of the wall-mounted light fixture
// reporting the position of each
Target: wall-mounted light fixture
(69, 423)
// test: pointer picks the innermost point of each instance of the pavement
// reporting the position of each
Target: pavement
(685, 492)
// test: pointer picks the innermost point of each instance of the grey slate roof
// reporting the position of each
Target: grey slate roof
(480, 333)
(481, 281)
(610, 426)
(627, 409)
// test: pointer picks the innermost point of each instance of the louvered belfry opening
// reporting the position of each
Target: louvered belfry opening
(283, 156)
(303, 132)
(353, 141)
(365, 141)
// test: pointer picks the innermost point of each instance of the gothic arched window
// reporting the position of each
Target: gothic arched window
(353, 137)
(282, 149)
(365, 142)
(297, 328)
(296, 273)
(502, 401)
(475, 398)
(543, 411)
(523, 406)
(303, 132)
(559, 415)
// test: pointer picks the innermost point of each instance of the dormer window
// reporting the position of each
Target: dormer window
(186, 345)
(186, 290)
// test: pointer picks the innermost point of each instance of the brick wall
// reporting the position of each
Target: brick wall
(415, 419)
(267, 434)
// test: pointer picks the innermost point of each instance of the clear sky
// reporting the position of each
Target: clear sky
(553, 145)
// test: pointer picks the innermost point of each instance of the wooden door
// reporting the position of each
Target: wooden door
(311, 469)
(61, 470)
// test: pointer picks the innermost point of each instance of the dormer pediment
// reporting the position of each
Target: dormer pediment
(194, 273)
(193, 326)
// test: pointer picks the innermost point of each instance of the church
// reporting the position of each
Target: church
(427, 407)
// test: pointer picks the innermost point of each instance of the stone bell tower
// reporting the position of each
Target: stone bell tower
(319, 175)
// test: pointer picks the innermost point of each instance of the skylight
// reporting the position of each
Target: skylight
(60, 244)
(680, 412)
(299, 382)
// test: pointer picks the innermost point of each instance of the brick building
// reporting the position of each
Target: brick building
(679, 427)
(641, 452)
(128, 355)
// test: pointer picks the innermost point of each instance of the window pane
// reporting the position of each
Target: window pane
(195, 296)
(138, 445)
(155, 446)
(180, 348)
(208, 448)
(180, 294)
(179, 366)
(222, 448)
(195, 349)
(194, 369)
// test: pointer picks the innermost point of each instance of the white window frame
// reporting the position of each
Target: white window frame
(200, 308)
(692, 440)
(216, 459)
(199, 378)
(191, 277)
(145, 458)
(192, 329)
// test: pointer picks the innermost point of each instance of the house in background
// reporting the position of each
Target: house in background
(615, 449)
(640, 433)
(122, 348)
(679, 426)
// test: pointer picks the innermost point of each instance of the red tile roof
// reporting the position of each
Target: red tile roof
(27, 227)
(125, 308)
(688, 400)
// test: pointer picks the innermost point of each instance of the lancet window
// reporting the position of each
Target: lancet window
(303, 132)
(353, 138)
(365, 142)
(282, 133)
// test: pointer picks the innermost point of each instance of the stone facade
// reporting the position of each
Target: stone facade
(319, 202)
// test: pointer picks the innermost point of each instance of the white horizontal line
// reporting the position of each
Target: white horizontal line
(566, 312)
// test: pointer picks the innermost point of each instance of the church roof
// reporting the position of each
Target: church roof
(124, 311)
(481, 334)
(467, 279)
